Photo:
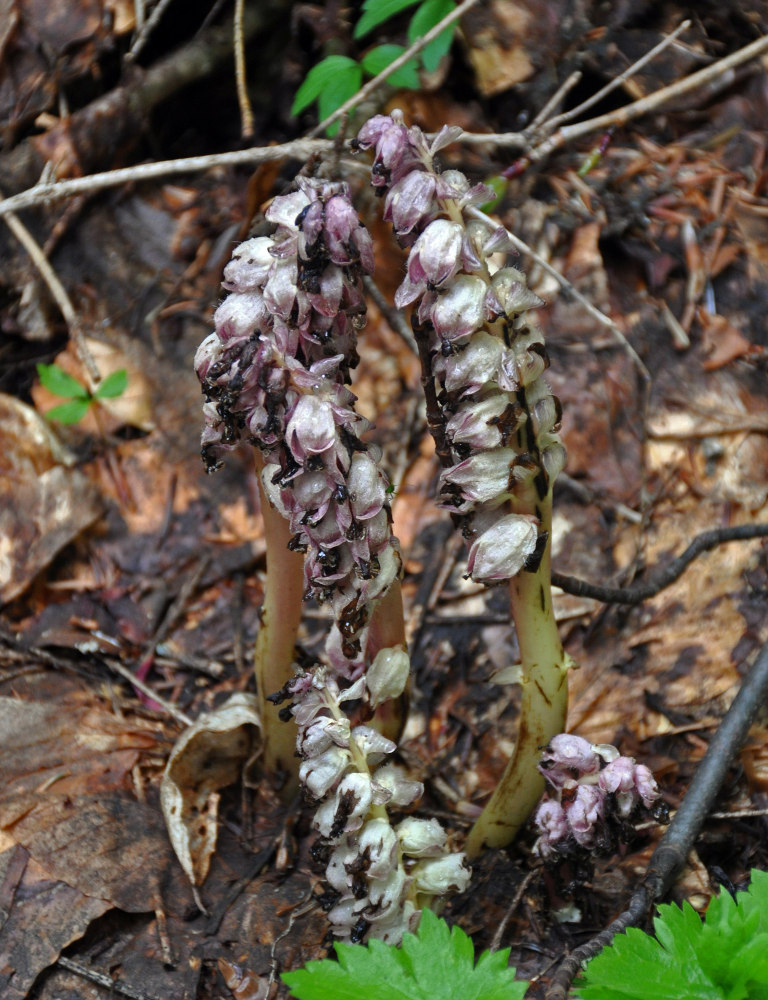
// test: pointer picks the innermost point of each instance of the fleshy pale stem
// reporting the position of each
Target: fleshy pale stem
(275, 644)
(543, 708)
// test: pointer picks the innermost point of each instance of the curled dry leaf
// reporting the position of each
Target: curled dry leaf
(207, 757)
(44, 502)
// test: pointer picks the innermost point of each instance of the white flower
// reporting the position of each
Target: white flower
(321, 772)
(421, 838)
(437, 876)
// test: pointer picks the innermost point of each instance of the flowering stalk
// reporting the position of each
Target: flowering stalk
(494, 420)
(275, 371)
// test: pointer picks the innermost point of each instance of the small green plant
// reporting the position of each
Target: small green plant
(336, 78)
(78, 398)
(436, 962)
(723, 958)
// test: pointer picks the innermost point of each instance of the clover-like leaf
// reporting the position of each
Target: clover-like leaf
(71, 412)
(57, 381)
(114, 385)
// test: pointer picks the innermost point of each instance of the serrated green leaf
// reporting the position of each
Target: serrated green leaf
(319, 79)
(376, 60)
(434, 964)
(723, 958)
(346, 83)
(113, 385)
(69, 413)
(430, 13)
(376, 12)
(57, 381)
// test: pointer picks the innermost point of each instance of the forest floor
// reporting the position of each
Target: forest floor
(120, 557)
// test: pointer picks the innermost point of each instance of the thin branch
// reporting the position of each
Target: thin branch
(57, 290)
(147, 691)
(643, 106)
(243, 100)
(146, 30)
(392, 315)
(629, 72)
(676, 844)
(593, 311)
(660, 578)
(401, 60)
(46, 193)
(621, 116)
(103, 980)
(543, 116)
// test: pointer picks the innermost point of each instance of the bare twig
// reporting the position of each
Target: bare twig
(392, 315)
(673, 849)
(621, 116)
(543, 116)
(146, 690)
(103, 980)
(243, 100)
(402, 59)
(661, 578)
(629, 72)
(49, 192)
(57, 290)
(593, 311)
(146, 29)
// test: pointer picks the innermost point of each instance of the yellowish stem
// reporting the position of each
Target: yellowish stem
(543, 708)
(387, 629)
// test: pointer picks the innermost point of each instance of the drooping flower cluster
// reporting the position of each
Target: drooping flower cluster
(500, 419)
(274, 373)
(379, 875)
(592, 785)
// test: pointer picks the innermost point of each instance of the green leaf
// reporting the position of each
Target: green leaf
(346, 83)
(320, 78)
(723, 958)
(375, 60)
(434, 964)
(57, 381)
(375, 12)
(113, 385)
(430, 13)
(69, 413)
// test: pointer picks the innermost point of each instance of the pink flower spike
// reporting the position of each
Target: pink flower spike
(435, 256)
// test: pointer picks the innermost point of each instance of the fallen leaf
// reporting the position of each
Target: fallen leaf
(207, 757)
(44, 502)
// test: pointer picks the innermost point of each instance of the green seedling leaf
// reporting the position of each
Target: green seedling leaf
(430, 13)
(723, 958)
(344, 84)
(376, 60)
(57, 381)
(69, 413)
(375, 12)
(114, 385)
(321, 77)
(436, 962)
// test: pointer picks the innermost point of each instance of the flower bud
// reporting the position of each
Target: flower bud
(388, 674)
(321, 772)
